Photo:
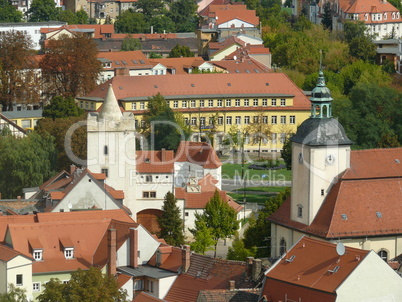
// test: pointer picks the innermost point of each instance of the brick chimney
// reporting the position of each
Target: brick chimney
(256, 269)
(232, 285)
(112, 248)
(249, 265)
(185, 258)
(133, 247)
(163, 155)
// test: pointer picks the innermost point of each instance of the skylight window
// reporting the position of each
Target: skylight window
(142, 62)
(237, 71)
(124, 62)
(117, 62)
(379, 214)
(248, 71)
(344, 217)
(256, 71)
(134, 61)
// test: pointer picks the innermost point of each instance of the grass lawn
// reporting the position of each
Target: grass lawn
(252, 198)
(231, 171)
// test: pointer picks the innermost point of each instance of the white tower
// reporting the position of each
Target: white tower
(111, 147)
(320, 153)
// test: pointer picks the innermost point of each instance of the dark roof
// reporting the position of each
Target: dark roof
(321, 132)
(146, 271)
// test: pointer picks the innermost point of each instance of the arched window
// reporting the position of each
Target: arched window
(300, 210)
(383, 255)
(325, 111)
(282, 246)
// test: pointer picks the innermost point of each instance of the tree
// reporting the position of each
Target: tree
(154, 55)
(183, 13)
(70, 67)
(14, 294)
(219, 217)
(85, 285)
(43, 11)
(259, 231)
(80, 17)
(239, 252)
(129, 44)
(327, 17)
(58, 128)
(180, 51)
(8, 13)
(286, 153)
(130, 21)
(150, 8)
(259, 129)
(203, 240)
(163, 24)
(25, 162)
(170, 222)
(60, 107)
(18, 79)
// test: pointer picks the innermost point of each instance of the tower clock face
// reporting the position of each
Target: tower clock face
(330, 159)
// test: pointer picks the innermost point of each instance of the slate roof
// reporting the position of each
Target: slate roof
(310, 272)
(125, 59)
(23, 114)
(373, 175)
(206, 273)
(146, 271)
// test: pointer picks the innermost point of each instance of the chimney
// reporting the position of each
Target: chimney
(232, 285)
(19, 198)
(185, 258)
(112, 251)
(256, 269)
(249, 265)
(133, 247)
(163, 155)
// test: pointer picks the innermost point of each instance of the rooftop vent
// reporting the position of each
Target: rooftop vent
(120, 87)
(290, 259)
(379, 214)
(229, 84)
(344, 217)
(336, 268)
(266, 84)
(156, 86)
(397, 161)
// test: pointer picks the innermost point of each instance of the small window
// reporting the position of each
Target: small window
(282, 246)
(142, 105)
(265, 119)
(237, 102)
(283, 119)
(383, 255)
(210, 103)
(18, 279)
(228, 120)
(152, 194)
(344, 217)
(201, 103)
(220, 120)
(148, 178)
(255, 102)
(36, 286)
(133, 106)
(145, 194)
(69, 253)
(38, 255)
(238, 120)
(186, 214)
(273, 120)
(219, 103)
(292, 119)
(105, 171)
(246, 102)
(273, 102)
(300, 211)
(246, 120)
(105, 150)
(322, 192)
(138, 285)
(264, 102)
(228, 103)
(175, 104)
(192, 103)
(283, 102)
(184, 104)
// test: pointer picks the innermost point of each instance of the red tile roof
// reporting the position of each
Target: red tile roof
(170, 258)
(361, 7)
(221, 5)
(373, 175)
(126, 59)
(127, 88)
(7, 253)
(224, 16)
(245, 66)
(309, 275)
(155, 161)
(145, 297)
(206, 273)
(123, 279)
(199, 153)
(179, 64)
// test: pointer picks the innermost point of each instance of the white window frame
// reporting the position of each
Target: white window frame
(247, 120)
(133, 106)
(220, 120)
(228, 103)
(283, 119)
(273, 102)
(69, 252)
(255, 102)
(265, 102)
(283, 102)
(246, 102)
(292, 119)
(37, 254)
(228, 120)
(238, 120)
(192, 103)
(36, 287)
(202, 103)
(142, 106)
(210, 103)
(183, 104)
(175, 104)
(274, 119)
(237, 102)
(219, 103)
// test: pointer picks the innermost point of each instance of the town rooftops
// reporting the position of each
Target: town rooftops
(144, 297)
(199, 153)
(129, 89)
(7, 253)
(362, 183)
(311, 268)
(124, 59)
(369, 7)
(155, 161)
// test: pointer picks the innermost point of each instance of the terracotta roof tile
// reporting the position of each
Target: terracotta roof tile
(248, 16)
(128, 88)
(145, 297)
(224, 295)
(309, 269)
(198, 153)
(122, 279)
(7, 253)
(179, 64)
(361, 7)
(171, 258)
(126, 59)
(155, 161)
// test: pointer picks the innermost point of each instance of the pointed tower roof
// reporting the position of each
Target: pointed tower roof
(110, 108)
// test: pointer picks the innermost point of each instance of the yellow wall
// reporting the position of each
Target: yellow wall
(26, 122)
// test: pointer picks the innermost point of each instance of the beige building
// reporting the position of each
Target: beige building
(338, 194)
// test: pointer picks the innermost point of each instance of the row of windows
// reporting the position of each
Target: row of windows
(248, 139)
(148, 194)
(68, 254)
(216, 103)
(237, 120)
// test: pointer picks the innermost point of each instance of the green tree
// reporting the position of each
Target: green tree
(85, 285)
(14, 294)
(286, 153)
(8, 13)
(58, 128)
(239, 252)
(150, 8)
(70, 67)
(82, 17)
(259, 231)
(183, 13)
(130, 43)
(25, 162)
(60, 107)
(220, 218)
(132, 22)
(154, 55)
(203, 240)
(259, 129)
(19, 82)
(43, 11)
(327, 17)
(180, 51)
(388, 66)
(170, 221)
(67, 16)
(163, 24)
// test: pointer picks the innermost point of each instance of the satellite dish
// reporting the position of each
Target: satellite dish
(340, 249)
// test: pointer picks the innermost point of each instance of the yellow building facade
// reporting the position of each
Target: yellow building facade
(220, 104)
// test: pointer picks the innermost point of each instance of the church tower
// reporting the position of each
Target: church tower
(320, 153)
(111, 147)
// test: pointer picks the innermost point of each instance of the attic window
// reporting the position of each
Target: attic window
(69, 252)
(192, 85)
(37, 254)
(379, 214)
(256, 71)
(142, 62)
(124, 62)
(121, 87)
(248, 71)
(156, 86)
(134, 61)
(117, 62)
(397, 161)
(344, 217)
(147, 160)
(237, 71)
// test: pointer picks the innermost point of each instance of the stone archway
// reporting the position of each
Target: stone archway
(148, 219)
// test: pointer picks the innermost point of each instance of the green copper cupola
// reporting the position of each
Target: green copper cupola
(321, 100)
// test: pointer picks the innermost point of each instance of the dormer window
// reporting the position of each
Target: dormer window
(69, 252)
(37, 255)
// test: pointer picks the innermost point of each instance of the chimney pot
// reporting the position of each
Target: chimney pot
(112, 252)
(185, 258)
(232, 285)
(256, 269)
